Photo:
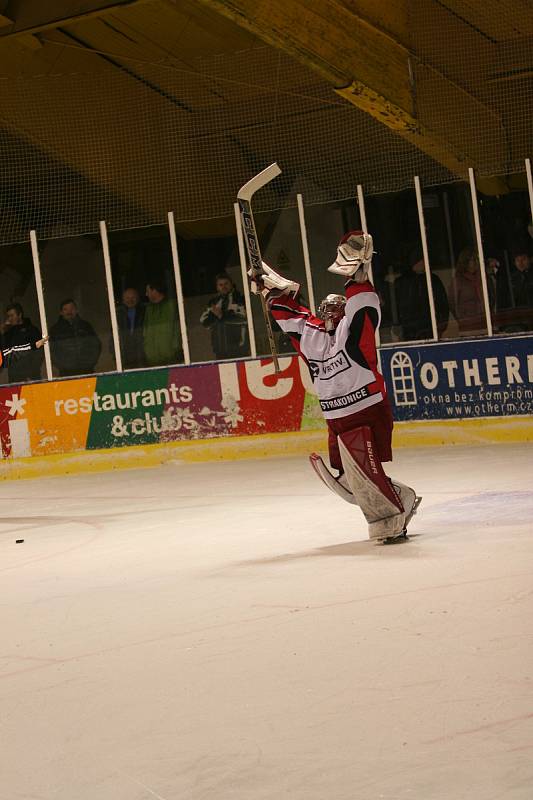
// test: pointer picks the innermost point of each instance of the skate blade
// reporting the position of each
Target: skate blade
(402, 537)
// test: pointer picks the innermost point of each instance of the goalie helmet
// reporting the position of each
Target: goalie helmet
(354, 256)
(332, 310)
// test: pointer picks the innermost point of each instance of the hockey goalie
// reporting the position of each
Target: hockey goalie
(339, 348)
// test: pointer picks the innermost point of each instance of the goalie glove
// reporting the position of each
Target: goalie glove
(354, 255)
(270, 284)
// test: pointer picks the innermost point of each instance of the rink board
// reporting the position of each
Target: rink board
(273, 445)
(454, 392)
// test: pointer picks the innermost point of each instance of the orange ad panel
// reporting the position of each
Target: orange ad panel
(58, 415)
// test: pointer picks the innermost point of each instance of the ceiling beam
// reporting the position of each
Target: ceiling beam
(29, 17)
(363, 59)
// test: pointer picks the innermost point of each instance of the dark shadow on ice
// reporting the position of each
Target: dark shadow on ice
(29, 523)
(92, 520)
(350, 549)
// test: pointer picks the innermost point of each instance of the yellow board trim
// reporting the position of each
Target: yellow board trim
(295, 443)
(490, 430)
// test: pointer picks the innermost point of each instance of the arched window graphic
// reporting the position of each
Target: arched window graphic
(403, 379)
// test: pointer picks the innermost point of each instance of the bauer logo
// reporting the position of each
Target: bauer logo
(459, 380)
(371, 458)
(330, 367)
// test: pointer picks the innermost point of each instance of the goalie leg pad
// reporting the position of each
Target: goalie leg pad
(375, 494)
(334, 484)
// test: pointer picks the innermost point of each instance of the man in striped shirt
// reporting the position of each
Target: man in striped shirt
(21, 342)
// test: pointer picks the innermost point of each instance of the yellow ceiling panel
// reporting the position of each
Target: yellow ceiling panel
(184, 29)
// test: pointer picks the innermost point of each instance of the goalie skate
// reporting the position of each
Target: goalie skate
(401, 537)
(410, 501)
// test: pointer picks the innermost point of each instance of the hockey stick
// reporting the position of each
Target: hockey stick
(244, 197)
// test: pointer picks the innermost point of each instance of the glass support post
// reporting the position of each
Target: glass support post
(179, 288)
(481, 256)
(40, 300)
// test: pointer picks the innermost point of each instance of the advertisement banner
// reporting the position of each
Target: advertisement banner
(446, 380)
(460, 380)
(157, 405)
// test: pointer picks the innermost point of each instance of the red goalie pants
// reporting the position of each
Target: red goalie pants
(378, 418)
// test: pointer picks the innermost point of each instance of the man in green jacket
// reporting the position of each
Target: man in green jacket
(161, 331)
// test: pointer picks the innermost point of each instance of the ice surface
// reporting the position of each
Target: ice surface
(224, 632)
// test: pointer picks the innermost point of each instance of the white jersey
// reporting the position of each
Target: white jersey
(343, 363)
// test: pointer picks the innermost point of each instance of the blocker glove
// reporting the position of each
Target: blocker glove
(354, 256)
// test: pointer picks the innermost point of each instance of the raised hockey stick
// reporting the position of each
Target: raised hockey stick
(244, 197)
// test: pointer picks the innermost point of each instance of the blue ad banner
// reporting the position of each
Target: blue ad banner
(460, 380)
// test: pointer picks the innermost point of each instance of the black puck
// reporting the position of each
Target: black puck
(19, 541)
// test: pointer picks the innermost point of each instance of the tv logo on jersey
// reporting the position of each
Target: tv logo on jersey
(330, 367)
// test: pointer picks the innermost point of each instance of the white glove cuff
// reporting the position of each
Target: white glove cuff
(274, 283)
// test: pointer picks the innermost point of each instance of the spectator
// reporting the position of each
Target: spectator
(75, 345)
(130, 320)
(21, 342)
(518, 316)
(412, 301)
(161, 333)
(225, 317)
(522, 279)
(466, 293)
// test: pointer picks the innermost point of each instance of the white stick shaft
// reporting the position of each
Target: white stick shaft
(111, 295)
(40, 300)
(362, 215)
(475, 209)
(245, 285)
(305, 249)
(362, 209)
(179, 288)
(423, 238)
(253, 249)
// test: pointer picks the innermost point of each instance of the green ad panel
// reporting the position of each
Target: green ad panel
(312, 418)
(128, 409)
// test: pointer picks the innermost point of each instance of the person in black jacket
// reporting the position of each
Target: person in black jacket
(130, 319)
(21, 343)
(522, 278)
(75, 345)
(412, 301)
(225, 316)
